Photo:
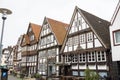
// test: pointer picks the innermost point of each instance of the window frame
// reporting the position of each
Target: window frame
(91, 56)
(101, 56)
(89, 37)
(114, 38)
(82, 57)
(32, 37)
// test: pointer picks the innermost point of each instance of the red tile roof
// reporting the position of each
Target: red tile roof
(36, 29)
(59, 29)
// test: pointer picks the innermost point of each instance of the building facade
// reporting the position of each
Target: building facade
(7, 57)
(115, 41)
(87, 45)
(29, 49)
(17, 55)
(50, 41)
(24, 51)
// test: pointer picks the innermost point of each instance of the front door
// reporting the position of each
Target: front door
(67, 71)
(50, 71)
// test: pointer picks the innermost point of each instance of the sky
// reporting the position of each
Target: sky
(34, 11)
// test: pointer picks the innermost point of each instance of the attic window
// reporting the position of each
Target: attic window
(100, 21)
(31, 37)
(116, 37)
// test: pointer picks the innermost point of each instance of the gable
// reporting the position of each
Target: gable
(59, 29)
(47, 37)
(78, 23)
(99, 26)
(36, 30)
(25, 40)
(45, 29)
(33, 31)
(84, 26)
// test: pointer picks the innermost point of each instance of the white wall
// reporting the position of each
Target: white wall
(115, 49)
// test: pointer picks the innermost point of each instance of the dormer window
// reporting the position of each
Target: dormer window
(116, 36)
(32, 37)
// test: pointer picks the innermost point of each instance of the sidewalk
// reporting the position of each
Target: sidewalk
(11, 77)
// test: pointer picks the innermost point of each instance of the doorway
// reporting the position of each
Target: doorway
(67, 70)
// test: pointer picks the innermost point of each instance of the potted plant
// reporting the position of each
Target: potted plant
(91, 75)
(37, 76)
(14, 73)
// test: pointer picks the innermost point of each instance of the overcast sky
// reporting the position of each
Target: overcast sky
(34, 11)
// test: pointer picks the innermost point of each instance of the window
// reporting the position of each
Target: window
(45, 29)
(75, 26)
(50, 39)
(82, 38)
(103, 74)
(101, 56)
(69, 42)
(69, 58)
(75, 40)
(82, 57)
(91, 57)
(75, 73)
(31, 37)
(74, 58)
(66, 58)
(89, 37)
(75, 23)
(43, 41)
(42, 54)
(116, 36)
(82, 23)
(82, 73)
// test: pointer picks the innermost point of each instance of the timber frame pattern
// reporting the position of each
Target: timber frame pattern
(57, 49)
(87, 45)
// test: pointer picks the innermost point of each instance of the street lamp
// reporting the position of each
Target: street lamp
(4, 13)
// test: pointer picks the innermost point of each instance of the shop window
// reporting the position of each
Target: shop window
(75, 73)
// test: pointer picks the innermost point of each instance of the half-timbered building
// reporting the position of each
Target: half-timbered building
(19, 53)
(13, 57)
(50, 41)
(29, 48)
(87, 45)
(7, 58)
(24, 51)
